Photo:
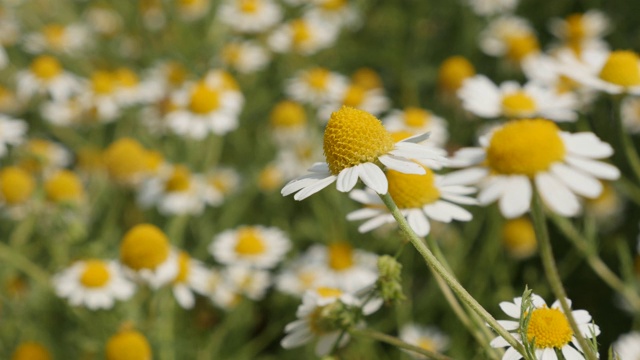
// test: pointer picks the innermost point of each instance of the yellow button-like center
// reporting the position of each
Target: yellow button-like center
(416, 117)
(180, 179)
(525, 147)
(410, 191)
(203, 99)
(521, 45)
(333, 5)
(183, 268)
(518, 104)
(575, 27)
(128, 345)
(249, 6)
(340, 256)
(125, 77)
(354, 137)
(550, 328)
(64, 186)
(125, 158)
(16, 185)
(354, 96)
(46, 67)
(54, 34)
(144, 247)
(250, 242)
(453, 71)
(367, 78)
(318, 78)
(301, 32)
(176, 73)
(427, 344)
(288, 114)
(96, 274)
(622, 68)
(231, 53)
(519, 237)
(30, 350)
(328, 292)
(102, 82)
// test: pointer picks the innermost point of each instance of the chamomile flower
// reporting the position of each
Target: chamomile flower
(483, 98)
(220, 183)
(303, 274)
(250, 16)
(57, 38)
(250, 282)
(580, 28)
(509, 36)
(255, 246)
(127, 162)
(354, 141)
(356, 96)
(315, 86)
(414, 121)
(43, 156)
(429, 338)
(101, 96)
(12, 133)
(192, 277)
(16, 186)
(220, 291)
(31, 350)
(338, 12)
(244, 56)
(613, 72)
(64, 187)
(288, 123)
(93, 283)
(104, 20)
(167, 76)
(548, 326)
(492, 7)
(627, 346)
(511, 161)
(128, 344)
(146, 252)
(46, 76)
(304, 36)
(420, 198)
(174, 192)
(131, 90)
(191, 10)
(519, 238)
(453, 71)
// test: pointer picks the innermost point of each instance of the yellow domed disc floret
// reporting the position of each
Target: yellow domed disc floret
(144, 247)
(622, 68)
(550, 328)
(410, 191)
(16, 185)
(64, 186)
(250, 242)
(203, 99)
(46, 67)
(416, 117)
(288, 114)
(128, 345)
(518, 104)
(180, 179)
(96, 274)
(453, 71)
(519, 237)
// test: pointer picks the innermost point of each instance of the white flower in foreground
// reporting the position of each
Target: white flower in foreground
(414, 121)
(613, 72)
(492, 7)
(354, 141)
(12, 132)
(46, 76)
(250, 16)
(315, 86)
(627, 346)
(93, 283)
(305, 36)
(429, 338)
(549, 327)
(525, 153)
(483, 98)
(420, 198)
(192, 277)
(252, 246)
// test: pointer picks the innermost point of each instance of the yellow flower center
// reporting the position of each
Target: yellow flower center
(354, 137)
(301, 32)
(176, 73)
(575, 27)
(90, 159)
(328, 292)
(38, 155)
(288, 114)
(518, 104)
(333, 5)
(250, 242)
(622, 68)
(228, 81)
(183, 268)
(566, 84)
(125, 159)
(144, 247)
(153, 160)
(102, 82)
(125, 77)
(249, 6)
(317, 78)
(203, 99)
(401, 135)
(550, 328)
(96, 274)
(340, 256)
(416, 117)
(366, 78)
(180, 179)
(54, 34)
(270, 178)
(525, 147)
(426, 344)
(16, 185)
(30, 350)
(128, 345)
(46, 67)
(64, 186)
(231, 53)
(521, 45)
(411, 191)
(453, 71)
(354, 96)
(519, 238)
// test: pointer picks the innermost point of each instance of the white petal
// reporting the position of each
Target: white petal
(586, 144)
(464, 200)
(581, 316)
(492, 191)
(416, 139)
(498, 342)
(511, 354)
(598, 169)
(314, 188)
(516, 197)
(510, 309)
(373, 177)
(347, 178)
(365, 197)
(418, 222)
(577, 181)
(401, 164)
(364, 213)
(326, 342)
(296, 339)
(296, 185)
(548, 354)
(376, 222)
(571, 354)
(509, 325)
(556, 195)
(465, 177)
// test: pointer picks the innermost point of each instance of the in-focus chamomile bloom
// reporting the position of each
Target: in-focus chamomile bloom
(16, 186)
(57, 38)
(128, 344)
(46, 75)
(453, 71)
(354, 142)
(414, 121)
(127, 161)
(244, 56)
(578, 29)
(145, 251)
(93, 283)
(613, 72)
(483, 98)
(549, 327)
(509, 36)
(373, 101)
(64, 187)
(250, 16)
(250, 282)
(254, 246)
(338, 12)
(429, 338)
(191, 10)
(192, 277)
(315, 86)
(492, 7)
(175, 192)
(627, 346)
(511, 161)
(12, 132)
(420, 198)
(220, 183)
(519, 238)
(306, 36)
(43, 156)
(288, 122)
(31, 350)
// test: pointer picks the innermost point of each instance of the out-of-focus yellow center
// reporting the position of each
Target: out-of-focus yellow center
(566, 84)
(90, 158)
(125, 159)
(128, 345)
(102, 82)
(575, 27)
(270, 178)
(416, 117)
(176, 73)
(16, 185)
(231, 53)
(340, 256)
(249, 6)
(317, 78)
(183, 268)
(144, 247)
(410, 191)
(46, 67)
(328, 292)
(301, 32)
(398, 136)
(521, 45)
(55, 35)
(354, 96)
(519, 238)
(96, 274)
(622, 68)
(288, 114)
(354, 137)
(125, 77)
(367, 78)
(30, 350)
(518, 104)
(550, 328)
(180, 179)
(203, 99)
(427, 344)
(333, 5)
(453, 71)
(525, 147)
(250, 242)
(64, 186)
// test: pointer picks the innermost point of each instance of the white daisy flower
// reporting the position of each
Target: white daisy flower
(100, 96)
(174, 192)
(627, 346)
(12, 132)
(337, 12)
(44, 156)
(315, 86)
(130, 90)
(166, 76)
(288, 123)
(305, 36)
(146, 253)
(511, 161)
(93, 283)
(220, 183)
(420, 198)
(253, 246)
(189, 10)
(373, 101)
(414, 121)
(429, 338)
(301, 275)
(549, 327)
(57, 38)
(220, 290)
(354, 141)
(250, 282)
(244, 56)
(250, 16)
(483, 98)
(104, 20)
(579, 28)
(509, 36)
(492, 7)
(192, 277)
(17, 187)
(46, 76)
(65, 112)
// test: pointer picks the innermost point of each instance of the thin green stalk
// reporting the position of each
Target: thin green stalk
(13, 258)
(437, 267)
(551, 271)
(391, 340)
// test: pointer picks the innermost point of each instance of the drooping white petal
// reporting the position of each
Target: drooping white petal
(465, 177)
(548, 354)
(401, 164)
(516, 197)
(577, 181)
(586, 144)
(365, 197)
(418, 222)
(498, 342)
(599, 169)
(314, 188)
(416, 139)
(373, 177)
(464, 200)
(347, 179)
(510, 309)
(493, 190)
(364, 213)
(556, 195)
(571, 354)
(511, 354)
(376, 222)
(326, 342)
(509, 325)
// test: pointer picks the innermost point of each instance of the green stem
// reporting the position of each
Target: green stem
(551, 271)
(18, 261)
(391, 340)
(437, 267)
(167, 328)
